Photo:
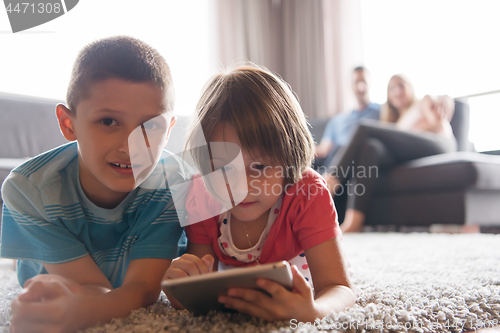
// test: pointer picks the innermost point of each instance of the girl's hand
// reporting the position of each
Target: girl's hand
(281, 305)
(189, 265)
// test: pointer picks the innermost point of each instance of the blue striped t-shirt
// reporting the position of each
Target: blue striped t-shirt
(48, 219)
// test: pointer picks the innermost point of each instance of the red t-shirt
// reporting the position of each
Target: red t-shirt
(307, 218)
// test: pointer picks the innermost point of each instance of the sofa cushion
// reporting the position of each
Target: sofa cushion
(444, 172)
(470, 207)
(28, 127)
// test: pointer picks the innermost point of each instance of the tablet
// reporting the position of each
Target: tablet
(199, 293)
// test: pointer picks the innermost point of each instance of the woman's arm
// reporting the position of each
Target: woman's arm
(431, 114)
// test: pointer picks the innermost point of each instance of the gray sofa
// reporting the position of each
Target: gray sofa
(455, 188)
(28, 127)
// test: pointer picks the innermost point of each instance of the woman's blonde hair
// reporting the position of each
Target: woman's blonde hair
(264, 112)
(388, 112)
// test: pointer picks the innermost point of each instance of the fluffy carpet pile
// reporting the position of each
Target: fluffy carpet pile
(404, 283)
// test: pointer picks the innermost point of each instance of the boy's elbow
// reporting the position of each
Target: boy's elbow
(148, 292)
(151, 296)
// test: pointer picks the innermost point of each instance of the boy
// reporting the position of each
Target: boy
(91, 244)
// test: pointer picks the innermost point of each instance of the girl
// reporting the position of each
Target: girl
(285, 211)
(411, 129)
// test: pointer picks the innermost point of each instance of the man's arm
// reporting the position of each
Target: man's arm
(76, 295)
(327, 142)
(324, 147)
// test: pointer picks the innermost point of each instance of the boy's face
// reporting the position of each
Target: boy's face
(102, 126)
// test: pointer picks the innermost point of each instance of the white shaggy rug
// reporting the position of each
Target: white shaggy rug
(405, 283)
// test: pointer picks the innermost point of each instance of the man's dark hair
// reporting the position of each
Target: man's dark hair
(119, 57)
(359, 69)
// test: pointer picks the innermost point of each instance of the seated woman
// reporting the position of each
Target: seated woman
(410, 129)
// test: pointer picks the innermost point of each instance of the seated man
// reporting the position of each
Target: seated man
(339, 129)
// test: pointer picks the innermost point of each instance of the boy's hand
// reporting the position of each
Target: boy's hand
(283, 304)
(36, 285)
(53, 303)
(46, 305)
(189, 265)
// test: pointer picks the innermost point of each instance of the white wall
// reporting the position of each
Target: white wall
(38, 61)
(445, 47)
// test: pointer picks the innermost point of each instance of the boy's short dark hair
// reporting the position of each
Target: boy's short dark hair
(119, 57)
